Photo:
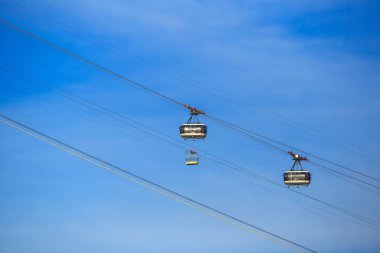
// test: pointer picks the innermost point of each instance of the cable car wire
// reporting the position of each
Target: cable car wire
(263, 139)
(312, 209)
(183, 78)
(94, 64)
(85, 103)
(372, 222)
(296, 247)
(168, 139)
(154, 92)
(256, 135)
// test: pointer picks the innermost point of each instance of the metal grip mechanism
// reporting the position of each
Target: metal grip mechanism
(193, 110)
(297, 159)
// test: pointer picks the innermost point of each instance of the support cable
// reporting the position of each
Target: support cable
(183, 78)
(94, 64)
(168, 139)
(269, 142)
(154, 92)
(156, 187)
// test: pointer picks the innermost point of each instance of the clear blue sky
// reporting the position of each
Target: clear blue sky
(308, 73)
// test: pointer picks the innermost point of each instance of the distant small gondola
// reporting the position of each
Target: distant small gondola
(297, 177)
(192, 159)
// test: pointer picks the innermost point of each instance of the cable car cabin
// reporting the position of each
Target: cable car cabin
(192, 160)
(297, 178)
(193, 131)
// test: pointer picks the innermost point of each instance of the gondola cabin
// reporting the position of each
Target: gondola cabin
(297, 178)
(193, 131)
(192, 160)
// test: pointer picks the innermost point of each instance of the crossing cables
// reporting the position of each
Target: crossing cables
(201, 207)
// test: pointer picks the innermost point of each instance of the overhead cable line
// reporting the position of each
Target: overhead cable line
(137, 84)
(312, 209)
(372, 222)
(94, 64)
(183, 78)
(269, 141)
(168, 139)
(93, 106)
(296, 247)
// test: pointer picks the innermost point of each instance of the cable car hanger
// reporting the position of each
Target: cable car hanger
(297, 159)
(194, 112)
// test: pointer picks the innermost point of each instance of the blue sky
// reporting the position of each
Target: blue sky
(302, 72)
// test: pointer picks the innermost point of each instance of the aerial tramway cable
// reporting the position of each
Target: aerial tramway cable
(261, 138)
(269, 142)
(296, 247)
(182, 78)
(154, 92)
(168, 139)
